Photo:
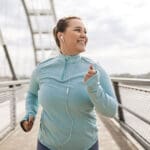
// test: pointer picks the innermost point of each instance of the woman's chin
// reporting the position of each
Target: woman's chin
(82, 49)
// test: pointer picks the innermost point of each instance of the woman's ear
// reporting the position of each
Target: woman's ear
(60, 36)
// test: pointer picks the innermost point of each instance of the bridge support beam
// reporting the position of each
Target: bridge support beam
(14, 77)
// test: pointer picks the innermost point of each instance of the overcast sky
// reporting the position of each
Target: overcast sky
(118, 30)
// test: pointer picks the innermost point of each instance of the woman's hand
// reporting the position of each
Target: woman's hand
(90, 73)
(27, 124)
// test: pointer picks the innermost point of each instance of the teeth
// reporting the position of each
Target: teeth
(82, 42)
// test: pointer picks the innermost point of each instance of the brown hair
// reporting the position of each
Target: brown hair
(61, 26)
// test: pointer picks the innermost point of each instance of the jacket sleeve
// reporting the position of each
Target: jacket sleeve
(101, 93)
(32, 97)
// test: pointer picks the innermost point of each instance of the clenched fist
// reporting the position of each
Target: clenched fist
(27, 124)
(90, 73)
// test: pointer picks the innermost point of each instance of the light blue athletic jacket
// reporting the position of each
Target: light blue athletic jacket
(68, 120)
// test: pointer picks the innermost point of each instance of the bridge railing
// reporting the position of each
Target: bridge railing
(134, 107)
(12, 95)
(133, 112)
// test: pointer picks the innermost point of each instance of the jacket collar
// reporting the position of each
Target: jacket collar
(70, 58)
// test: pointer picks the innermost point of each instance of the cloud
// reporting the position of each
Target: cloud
(108, 24)
(110, 32)
(118, 31)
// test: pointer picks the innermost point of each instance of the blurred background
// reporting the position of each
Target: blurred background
(118, 32)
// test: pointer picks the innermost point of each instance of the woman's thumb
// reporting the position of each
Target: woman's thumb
(31, 119)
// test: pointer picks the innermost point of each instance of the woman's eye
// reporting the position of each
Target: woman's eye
(77, 30)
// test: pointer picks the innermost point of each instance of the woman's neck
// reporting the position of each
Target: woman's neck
(64, 52)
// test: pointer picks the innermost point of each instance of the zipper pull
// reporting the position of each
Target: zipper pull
(67, 90)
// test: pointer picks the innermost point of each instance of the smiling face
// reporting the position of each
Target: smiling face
(74, 39)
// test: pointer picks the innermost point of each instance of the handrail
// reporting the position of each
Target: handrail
(135, 114)
(135, 88)
(15, 82)
(8, 92)
(140, 85)
(131, 80)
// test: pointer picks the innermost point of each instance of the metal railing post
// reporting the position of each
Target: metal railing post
(13, 109)
(9, 93)
(120, 111)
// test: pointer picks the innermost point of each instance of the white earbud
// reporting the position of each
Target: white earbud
(62, 38)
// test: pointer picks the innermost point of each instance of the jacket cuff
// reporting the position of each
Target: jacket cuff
(93, 82)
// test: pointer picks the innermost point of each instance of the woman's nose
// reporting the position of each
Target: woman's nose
(83, 34)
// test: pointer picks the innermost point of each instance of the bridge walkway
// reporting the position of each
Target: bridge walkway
(111, 137)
